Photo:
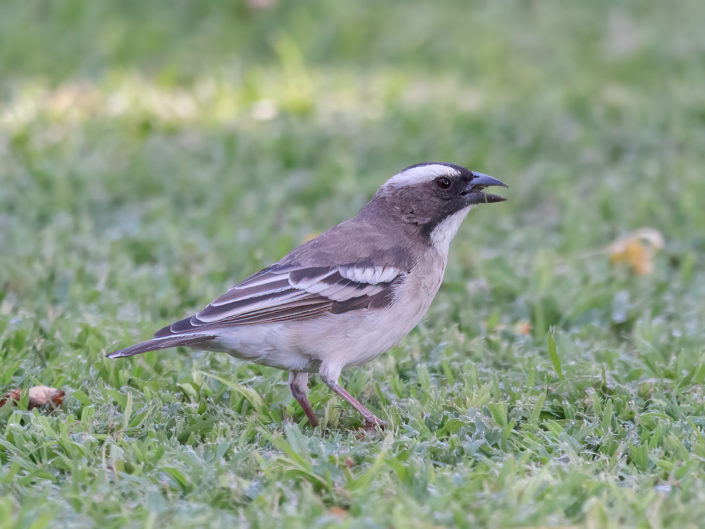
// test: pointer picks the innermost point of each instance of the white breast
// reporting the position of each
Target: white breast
(446, 230)
(358, 336)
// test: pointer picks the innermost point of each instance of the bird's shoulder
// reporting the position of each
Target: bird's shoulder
(356, 242)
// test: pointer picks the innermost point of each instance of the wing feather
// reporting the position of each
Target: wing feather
(288, 293)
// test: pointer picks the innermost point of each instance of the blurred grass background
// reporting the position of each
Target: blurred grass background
(153, 153)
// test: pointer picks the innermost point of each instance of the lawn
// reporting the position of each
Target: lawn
(154, 153)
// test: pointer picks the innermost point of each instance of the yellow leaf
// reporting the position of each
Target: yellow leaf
(636, 251)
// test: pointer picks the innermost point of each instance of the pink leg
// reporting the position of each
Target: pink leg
(298, 384)
(371, 420)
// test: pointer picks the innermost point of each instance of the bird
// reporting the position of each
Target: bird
(346, 296)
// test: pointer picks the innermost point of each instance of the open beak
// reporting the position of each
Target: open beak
(473, 192)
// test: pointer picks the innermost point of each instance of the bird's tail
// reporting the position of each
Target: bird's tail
(155, 344)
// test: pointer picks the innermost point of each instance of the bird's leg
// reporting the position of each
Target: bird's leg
(371, 420)
(298, 384)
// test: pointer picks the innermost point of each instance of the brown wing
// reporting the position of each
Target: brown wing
(285, 293)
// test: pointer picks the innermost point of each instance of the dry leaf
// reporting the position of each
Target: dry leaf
(38, 396)
(339, 512)
(524, 327)
(13, 394)
(636, 251)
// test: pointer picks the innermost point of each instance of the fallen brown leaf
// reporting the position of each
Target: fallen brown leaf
(38, 396)
(338, 511)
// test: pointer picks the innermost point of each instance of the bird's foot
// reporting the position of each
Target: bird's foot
(373, 423)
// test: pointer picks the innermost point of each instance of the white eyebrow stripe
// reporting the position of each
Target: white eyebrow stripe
(419, 174)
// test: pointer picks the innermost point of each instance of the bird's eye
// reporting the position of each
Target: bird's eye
(443, 182)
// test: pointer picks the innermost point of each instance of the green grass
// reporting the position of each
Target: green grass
(152, 154)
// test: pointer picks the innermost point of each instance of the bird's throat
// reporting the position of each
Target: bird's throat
(445, 230)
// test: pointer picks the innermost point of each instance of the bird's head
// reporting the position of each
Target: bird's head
(435, 197)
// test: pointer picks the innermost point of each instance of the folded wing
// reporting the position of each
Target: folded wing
(285, 293)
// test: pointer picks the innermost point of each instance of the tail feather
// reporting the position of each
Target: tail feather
(156, 344)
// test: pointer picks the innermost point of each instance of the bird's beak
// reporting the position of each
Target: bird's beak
(473, 192)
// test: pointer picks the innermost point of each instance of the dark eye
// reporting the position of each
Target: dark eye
(443, 182)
